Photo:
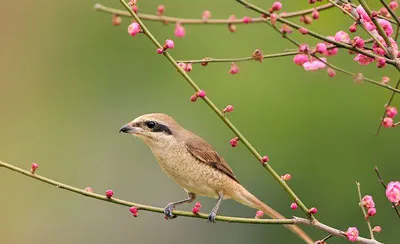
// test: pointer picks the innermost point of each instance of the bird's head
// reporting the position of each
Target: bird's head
(152, 128)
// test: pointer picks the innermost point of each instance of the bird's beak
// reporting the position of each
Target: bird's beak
(129, 129)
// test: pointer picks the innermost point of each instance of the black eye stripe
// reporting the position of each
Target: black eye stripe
(162, 128)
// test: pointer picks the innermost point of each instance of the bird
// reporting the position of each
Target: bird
(193, 164)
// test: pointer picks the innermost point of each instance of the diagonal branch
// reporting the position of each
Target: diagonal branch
(293, 221)
(169, 19)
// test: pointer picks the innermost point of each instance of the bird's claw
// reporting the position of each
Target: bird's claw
(168, 211)
(211, 217)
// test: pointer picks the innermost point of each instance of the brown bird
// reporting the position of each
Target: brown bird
(194, 165)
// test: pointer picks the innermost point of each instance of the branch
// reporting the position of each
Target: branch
(293, 221)
(318, 36)
(371, 233)
(169, 19)
(228, 60)
(384, 187)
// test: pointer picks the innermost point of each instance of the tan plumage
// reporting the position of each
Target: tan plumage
(194, 165)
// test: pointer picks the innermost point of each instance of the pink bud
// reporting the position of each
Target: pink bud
(160, 10)
(206, 15)
(188, 67)
(377, 229)
(276, 6)
(201, 93)
(246, 19)
(34, 167)
(293, 206)
(393, 191)
(313, 210)
(198, 205)
(352, 234)
(116, 19)
(384, 12)
(264, 159)
(160, 50)
(89, 189)
(358, 42)
(195, 210)
(315, 14)
(304, 48)
(387, 122)
(385, 80)
(234, 69)
(331, 72)
(109, 193)
(179, 30)
(135, 8)
(391, 112)
(133, 29)
(193, 98)
(353, 28)
(321, 47)
(393, 5)
(259, 214)
(286, 177)
(234, 142)
(169, 44)
(134, 211)
(182, 65)
(303, 31)
(371, 211)
(273, 18)
(228, 109)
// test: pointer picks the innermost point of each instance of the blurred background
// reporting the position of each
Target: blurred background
(70, 80)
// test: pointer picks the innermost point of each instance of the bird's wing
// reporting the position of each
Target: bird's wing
(203, 151)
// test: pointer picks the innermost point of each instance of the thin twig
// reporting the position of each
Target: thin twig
(228, 60)
(293, 221)
(169, 19)
(384, 186)
(371, 233)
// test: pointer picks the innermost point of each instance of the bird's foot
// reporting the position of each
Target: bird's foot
(168, 211)
(211, 217)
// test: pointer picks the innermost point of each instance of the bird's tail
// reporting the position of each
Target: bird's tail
(246, 198)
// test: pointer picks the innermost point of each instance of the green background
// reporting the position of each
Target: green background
(70, 80)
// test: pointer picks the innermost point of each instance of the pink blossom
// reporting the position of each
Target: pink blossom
(342, 36)
(179, 30)
(393, 191)
(169, 44)
(259, 214)
(368, 202)
(393, 5)
(387, 27)
(362, 59)
(286, 177)
(321, 47)
(314, 65)
(369, 26)
(234, 69)
(363, 15)
(300, 59)
(352, 234)
(371, 211)
(387, 123)
(133, 29)
(380, 62)
(293, 206)
(391, 112)
(358, 42)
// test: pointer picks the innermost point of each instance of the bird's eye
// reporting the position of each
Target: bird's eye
(150, 124)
